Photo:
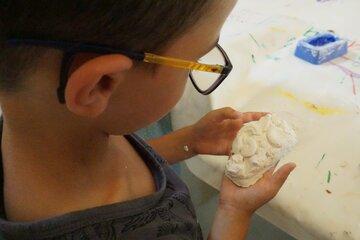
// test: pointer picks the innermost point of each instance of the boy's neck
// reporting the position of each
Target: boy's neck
(61, 162)
(62, 147)
(52, 168)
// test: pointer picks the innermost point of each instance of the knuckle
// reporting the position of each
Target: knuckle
(228, 110)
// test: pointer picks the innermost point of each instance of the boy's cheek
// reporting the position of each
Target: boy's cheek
(144, 101)
(168, 93)
(170, 84)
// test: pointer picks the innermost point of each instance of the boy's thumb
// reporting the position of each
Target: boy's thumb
(282, 174)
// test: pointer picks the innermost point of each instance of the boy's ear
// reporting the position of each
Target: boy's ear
(91, 85)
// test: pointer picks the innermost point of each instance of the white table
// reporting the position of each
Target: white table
(321, 199)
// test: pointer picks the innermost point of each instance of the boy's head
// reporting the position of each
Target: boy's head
(109, 92)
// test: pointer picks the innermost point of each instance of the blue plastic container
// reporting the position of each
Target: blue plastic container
(321, 48)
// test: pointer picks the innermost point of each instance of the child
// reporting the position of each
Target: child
(74, 85)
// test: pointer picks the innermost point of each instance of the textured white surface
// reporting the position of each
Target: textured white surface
(321, 198)
(259, 146)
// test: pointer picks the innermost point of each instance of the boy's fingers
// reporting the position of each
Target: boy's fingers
(225, 113)
(280, 176)
(252, 116)
(236, 124)
(230, 113)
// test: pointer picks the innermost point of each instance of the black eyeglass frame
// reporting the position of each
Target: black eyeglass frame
(221, 78)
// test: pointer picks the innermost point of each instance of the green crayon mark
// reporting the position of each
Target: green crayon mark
(342, 80)
(329, 176)
(289, 42)
(257, 43)
(310, 32)
(272, 57)
(253, 58)
(322, 158)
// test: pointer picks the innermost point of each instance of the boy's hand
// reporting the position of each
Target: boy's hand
(236, 204)
(247, 200)
(213, 135)
(215, 132)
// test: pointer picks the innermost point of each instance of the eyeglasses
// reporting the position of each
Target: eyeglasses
(205, 77)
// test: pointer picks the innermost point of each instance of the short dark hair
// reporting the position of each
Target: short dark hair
(141, 25)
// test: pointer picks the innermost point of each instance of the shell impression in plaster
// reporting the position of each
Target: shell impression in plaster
(259, 146)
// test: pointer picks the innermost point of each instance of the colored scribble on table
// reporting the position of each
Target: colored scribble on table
(354, 63)
(322, 158)
(321, 110)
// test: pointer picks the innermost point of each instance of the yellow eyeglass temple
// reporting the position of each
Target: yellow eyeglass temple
(178, 63)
